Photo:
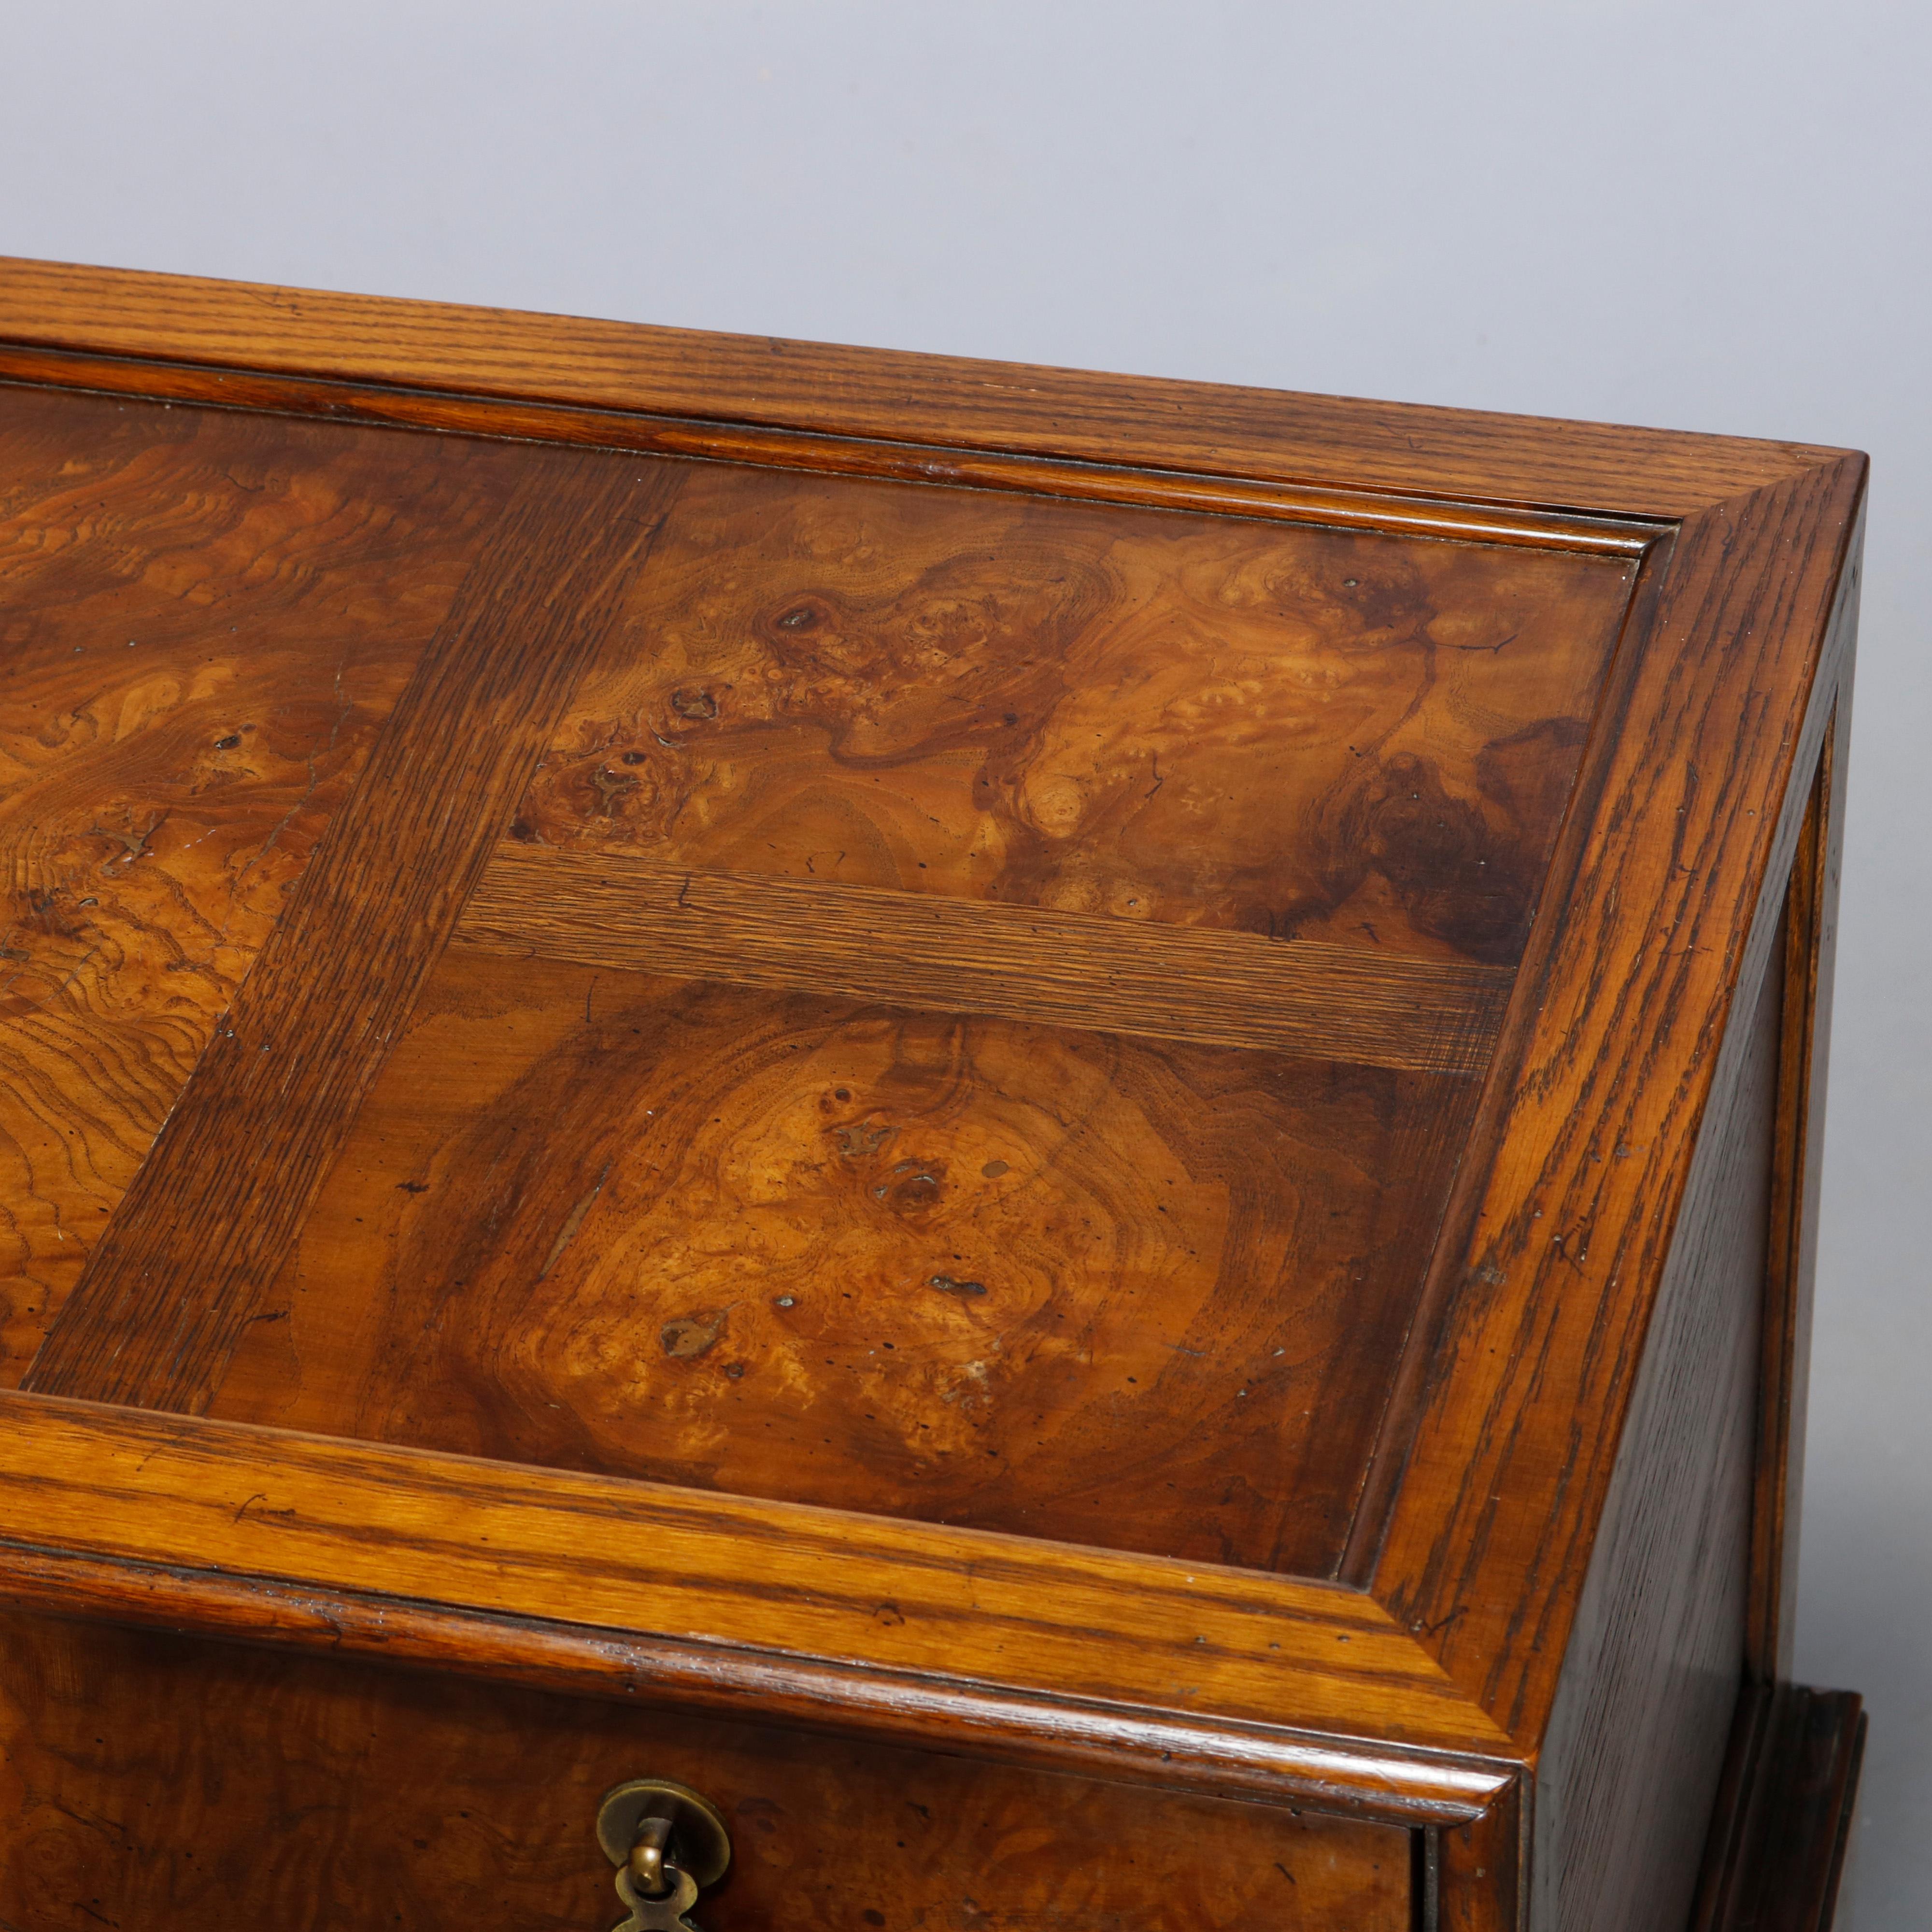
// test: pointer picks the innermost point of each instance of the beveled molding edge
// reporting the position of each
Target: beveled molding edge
(401, 406)
(1409, 1787)
(1426, 1573)
(1136, 1668)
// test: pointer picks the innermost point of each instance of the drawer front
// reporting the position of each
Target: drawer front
(173, 1784)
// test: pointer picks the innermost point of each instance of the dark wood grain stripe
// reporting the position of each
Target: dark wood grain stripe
(204, 1227)
(1013, 962)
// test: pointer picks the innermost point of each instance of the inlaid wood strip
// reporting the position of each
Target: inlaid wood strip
(207, 1221)
(944, 954)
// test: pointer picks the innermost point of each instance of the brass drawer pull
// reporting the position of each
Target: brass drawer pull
(667, 1843)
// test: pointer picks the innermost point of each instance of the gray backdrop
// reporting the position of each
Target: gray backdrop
(1706, 216)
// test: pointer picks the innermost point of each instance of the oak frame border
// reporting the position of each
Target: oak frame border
(1748, 551)
(605, 1586)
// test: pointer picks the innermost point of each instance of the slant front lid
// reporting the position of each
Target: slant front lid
(959, 1004)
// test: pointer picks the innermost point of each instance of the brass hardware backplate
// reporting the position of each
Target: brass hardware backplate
(700, 1844)
(666, 1914)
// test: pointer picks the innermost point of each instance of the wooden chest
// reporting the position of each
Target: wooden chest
(1059, 1131)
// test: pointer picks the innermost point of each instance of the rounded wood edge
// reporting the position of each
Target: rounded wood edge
(1122, 1744)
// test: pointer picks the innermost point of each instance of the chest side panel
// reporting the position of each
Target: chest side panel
(1637, 1737)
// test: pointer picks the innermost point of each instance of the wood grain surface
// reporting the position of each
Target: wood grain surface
(1225, 1677)
(334, 1798)
(951, 1268)
(1356, 1004)
(1780, 1835)
(1477, 1880)
(177, 1277)
(204, 620)
(1351, 1776)
(1079, 478)
(1553, 718)
(1395, 447)
(1070, 1284)
(1635, 1745)
(1195, 720)
(1623, 1007)
(1809, 944)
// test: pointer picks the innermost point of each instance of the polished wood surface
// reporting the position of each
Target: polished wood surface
(1357, 1004)
(1067, 1284)
(1778, 1836)
(176, 1279)
(1489, 1540)
(1635, 1741)
(1245, 1664)
(1185, 720)
(1386, 449)
(335, 1798)
(932, 800)
(205, 619)
(1022, 1279)
(1809, 944)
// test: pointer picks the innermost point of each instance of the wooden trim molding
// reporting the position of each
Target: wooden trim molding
(1401, 448)
(1778, 1844)
(1808, 942)
(1222, 1678)
(1601, 1083)
(1204, 492)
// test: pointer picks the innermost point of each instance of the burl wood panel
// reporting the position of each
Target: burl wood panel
(324, 1797)
(1072, 1284)
(204, 618)
(929, 1256)
(1206, 721)
(178, 1275)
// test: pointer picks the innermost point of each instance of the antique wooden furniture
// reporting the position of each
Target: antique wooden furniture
(1059, 1132)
